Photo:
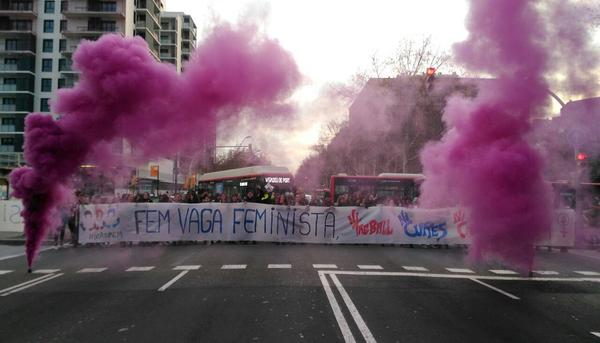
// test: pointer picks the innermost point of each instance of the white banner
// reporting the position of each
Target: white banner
(10, 216)
(257, 222)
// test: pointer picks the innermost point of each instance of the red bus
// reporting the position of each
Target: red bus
(243, 180)
(399, 187)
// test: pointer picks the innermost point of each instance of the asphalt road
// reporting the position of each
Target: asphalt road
(294, 293)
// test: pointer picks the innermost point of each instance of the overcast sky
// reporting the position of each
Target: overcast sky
(331, 40)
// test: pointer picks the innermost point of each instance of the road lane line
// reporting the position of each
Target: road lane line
(587, 273)
(369, 266)
(512, 296)
(46, 271)
(337, 311)
(31, 284)
(2, 272)
(362, 326)
(546, 272)
(140, 269)
(597, 334)
(279, 266)
(415, 269)
(460, 270)
(23, 254)
(92, 270)
(192, 267)
(324, 266)
(460, 276)
(24, 283)
(503, 272)
(173, 280)
(234, 266)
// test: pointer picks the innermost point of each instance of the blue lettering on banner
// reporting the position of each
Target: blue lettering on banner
(427, 229)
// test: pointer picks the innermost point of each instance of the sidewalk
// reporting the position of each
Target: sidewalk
(593, 253)
(17, 238)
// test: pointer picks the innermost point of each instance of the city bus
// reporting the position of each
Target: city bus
(242, 180)
(402, 188)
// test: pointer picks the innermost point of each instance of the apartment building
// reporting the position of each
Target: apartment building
(37, 41)
(38, 38)
(178, 35)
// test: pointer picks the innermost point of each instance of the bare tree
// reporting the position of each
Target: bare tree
(413, 57)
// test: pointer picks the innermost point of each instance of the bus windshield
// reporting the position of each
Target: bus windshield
(389, 189)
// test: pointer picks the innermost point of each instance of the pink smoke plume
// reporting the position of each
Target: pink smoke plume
(124, 93)
(484, 161)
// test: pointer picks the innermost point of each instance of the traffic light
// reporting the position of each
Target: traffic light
(430, 76)
(581, 157)
(430, 72)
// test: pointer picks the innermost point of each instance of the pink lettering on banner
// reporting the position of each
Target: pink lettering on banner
(373, 227)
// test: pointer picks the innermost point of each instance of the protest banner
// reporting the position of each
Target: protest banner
(158, 222)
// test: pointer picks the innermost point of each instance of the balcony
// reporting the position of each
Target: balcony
(91, 31)
(9, 29)
(154, 15)
(148, 29)
(13, 88)
(10, 160)
(69, 50)
(18, 10)
(9, 129)
(15, 69)
(13, 109)
(93, 11)
(17, 50)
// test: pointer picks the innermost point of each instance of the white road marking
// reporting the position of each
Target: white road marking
(92, 270)
(140, 269)
(370, 266)
(46, 271)
(324, 266)
(337, 311)
(546, 272)
(503, 271)
(2, 272)
(362, 326)
(512, 296)
(24, 283)
(30, 283)
(459, 276)
(460, 270)
(279, 266)
(597, 334)
(173, 280)
(587, 273)
(234, 266)
(415, 269)
(23, 254)
(193, 267)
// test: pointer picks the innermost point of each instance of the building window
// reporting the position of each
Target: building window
(47, 65)
(49, 7)
(8, 121)
(9, 101)
(10, 44)
(44, 105)
(63, 25)
(7, 141)
(46, 85)
(62, 45)
(10, 61)
(48, 26)
(62, 83)
(10, 81)
(47, 45)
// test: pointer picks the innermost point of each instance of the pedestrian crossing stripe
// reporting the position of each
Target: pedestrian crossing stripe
(140, 269)
(503, 272)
